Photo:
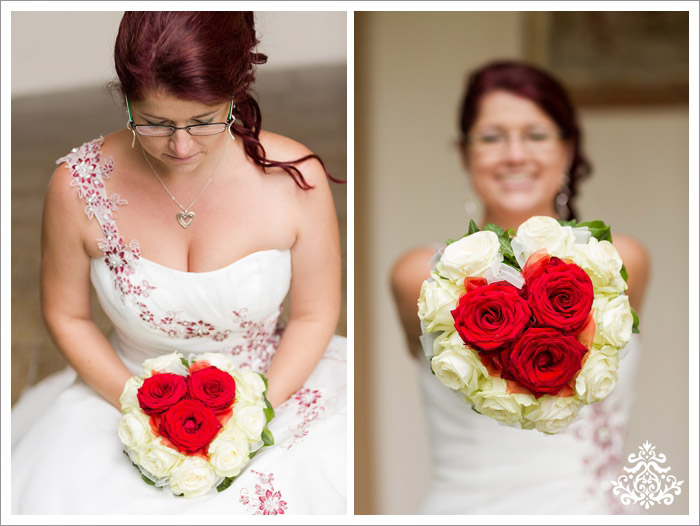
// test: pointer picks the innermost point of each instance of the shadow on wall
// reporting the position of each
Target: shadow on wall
(308, 105)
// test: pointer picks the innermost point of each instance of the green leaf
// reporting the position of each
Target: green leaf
(635, 321)
(267, 437)
(269, 412)
(449, 241)
(495, 229)
(185, 362)
(147, 480)
(623, 272)
(473, 227)
(225, 484)
(599, 230)
(563, 222)
(505, 248)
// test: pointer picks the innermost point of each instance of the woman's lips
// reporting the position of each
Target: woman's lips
(180, 159)
(517, 181)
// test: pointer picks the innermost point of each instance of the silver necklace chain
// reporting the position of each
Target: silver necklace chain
(185, 217)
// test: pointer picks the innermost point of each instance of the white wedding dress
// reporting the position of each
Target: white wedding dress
(481, 466)
(66, 455)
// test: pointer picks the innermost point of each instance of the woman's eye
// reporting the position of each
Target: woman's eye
(491, 138)
(537, 136)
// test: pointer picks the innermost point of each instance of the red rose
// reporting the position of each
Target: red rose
(560, 294)
(490, 317)
(543, 360)
(189, 425)
(161, 391)
(215, 388)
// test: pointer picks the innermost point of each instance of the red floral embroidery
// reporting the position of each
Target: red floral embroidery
(258, 343)
(606, 438)
(311, 406)
(268, 501)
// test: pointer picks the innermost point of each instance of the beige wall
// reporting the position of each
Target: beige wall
(410, 190)
(290, 39)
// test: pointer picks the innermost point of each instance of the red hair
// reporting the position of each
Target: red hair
(204, 56)
(530, 82)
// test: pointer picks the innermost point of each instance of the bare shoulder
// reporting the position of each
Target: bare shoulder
(283, 149)
(409, 271)
(636, 260)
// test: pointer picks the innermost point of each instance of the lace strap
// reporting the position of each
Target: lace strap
(89, 170)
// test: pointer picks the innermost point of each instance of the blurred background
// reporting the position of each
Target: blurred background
(628, 74)
(60, 64)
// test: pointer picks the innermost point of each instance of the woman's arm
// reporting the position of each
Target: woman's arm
(315, 288)
(65, 291)
(407, 276)
(636, 261)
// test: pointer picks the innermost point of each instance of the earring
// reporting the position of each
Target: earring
(562, 200)
(133, 132)
(229, 128)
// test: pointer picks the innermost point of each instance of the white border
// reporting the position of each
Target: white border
(350, 6)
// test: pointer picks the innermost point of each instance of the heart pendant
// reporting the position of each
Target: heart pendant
(185, 218)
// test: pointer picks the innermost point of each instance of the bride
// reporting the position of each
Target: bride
(192, 224)
(521, 145)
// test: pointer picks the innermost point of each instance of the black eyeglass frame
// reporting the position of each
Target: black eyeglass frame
(135, 127)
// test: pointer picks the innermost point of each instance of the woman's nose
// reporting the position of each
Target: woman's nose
(180, 143)
(516, 149)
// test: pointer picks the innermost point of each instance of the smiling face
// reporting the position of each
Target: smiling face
(515, 156)
(179, 152)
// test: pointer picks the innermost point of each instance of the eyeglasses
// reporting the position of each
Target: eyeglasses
(496, 142)
(198, 130)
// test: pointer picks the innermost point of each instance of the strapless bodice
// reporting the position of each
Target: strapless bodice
(156, 309)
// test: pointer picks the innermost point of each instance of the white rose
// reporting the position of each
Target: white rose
(542, 232)
(159, 460)
(251, 420)
(602, 263)
(437, 299)
(128, 399)
(249, 386)
(492, 399)
(228, 453)
(613, 319)
(193, 477)
(216, 359)
(552, 413)
(134, 429)
(598, 375)
(470, 256)
(167, 363)
(458, 367)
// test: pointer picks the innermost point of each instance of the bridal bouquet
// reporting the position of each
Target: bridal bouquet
(528, 327)
(193, 425)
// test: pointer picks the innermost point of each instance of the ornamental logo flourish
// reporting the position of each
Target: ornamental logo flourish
(646, 481)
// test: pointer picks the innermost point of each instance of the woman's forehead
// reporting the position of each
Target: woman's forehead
(504, 108)
(163, 104)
